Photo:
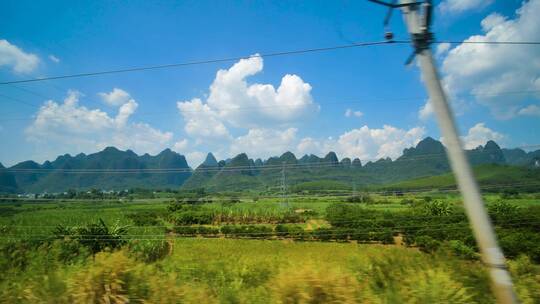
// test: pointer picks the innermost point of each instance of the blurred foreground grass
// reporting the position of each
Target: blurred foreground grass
(255, 271)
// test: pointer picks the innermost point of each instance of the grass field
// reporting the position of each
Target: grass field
(156, 266)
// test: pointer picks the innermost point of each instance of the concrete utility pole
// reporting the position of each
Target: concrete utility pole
(492, 256)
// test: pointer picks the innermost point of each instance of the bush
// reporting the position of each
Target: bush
(509, 193)
(360, 198)
(293, 231)
(427, 244)
(186, 230)
(515, 242)
(323, 234)
(502, 211)
(433, 286)
(96, 236)
(105, 281)
(145, 218)
(15, 255)
(193, 216)
(149, 251)
(458, 248)
(427, 199)
(99, 236)
(526, 277)
(68, 251)
(385, 236)
(292, 217)
(407, 201)
(438, 208)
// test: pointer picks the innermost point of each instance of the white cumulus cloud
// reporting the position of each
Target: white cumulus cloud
(181, 145)
(365, 143)
(425, 111)
(19, 61)
(530, 110)
(79, 128)
(116, 97)
(442, 49)
(478, 135)
(202, 121)
(351, 113)
(501, 77)
(263, 143)
(54, 58)
(230, 93)
(459, 6)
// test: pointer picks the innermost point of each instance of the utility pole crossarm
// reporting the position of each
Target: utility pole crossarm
(492, 256)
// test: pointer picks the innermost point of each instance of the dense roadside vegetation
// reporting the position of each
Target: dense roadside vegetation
(316, 249)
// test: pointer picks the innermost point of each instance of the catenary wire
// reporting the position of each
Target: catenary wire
(274, 54)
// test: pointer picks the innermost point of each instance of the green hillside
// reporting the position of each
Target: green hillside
(112, 169)
(487, 175)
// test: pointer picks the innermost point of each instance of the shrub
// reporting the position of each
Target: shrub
(360, 198)
(98, 236)
(145, 218)
(105, 281)
(291, 217)
(427, 244)
(427, 199)
(433, 286)
(407, 201)
(193, 216)
(509, 193)
(15, 255)
(323, 234)
(458, 248)
(515, 242)
(501, 211)
(526, 278)
(95, 236)
(438, 208)
(68, 251)
(385, 236)
(207, 231)
(186, 230)
(149, 250)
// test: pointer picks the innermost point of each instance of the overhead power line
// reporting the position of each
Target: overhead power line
(207, 61)
(263, 55)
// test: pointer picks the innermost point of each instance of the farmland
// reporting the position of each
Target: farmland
(245, 248)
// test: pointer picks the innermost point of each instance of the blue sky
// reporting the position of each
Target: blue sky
(360, 102)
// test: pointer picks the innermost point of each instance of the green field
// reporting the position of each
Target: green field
(369, 248)
(232, 271)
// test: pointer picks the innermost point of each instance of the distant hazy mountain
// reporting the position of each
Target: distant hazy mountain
(7, 181)
(115, 169)
(521, 158)
(90, 171)
(428, 158)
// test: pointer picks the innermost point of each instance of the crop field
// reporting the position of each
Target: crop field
(367, 248)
